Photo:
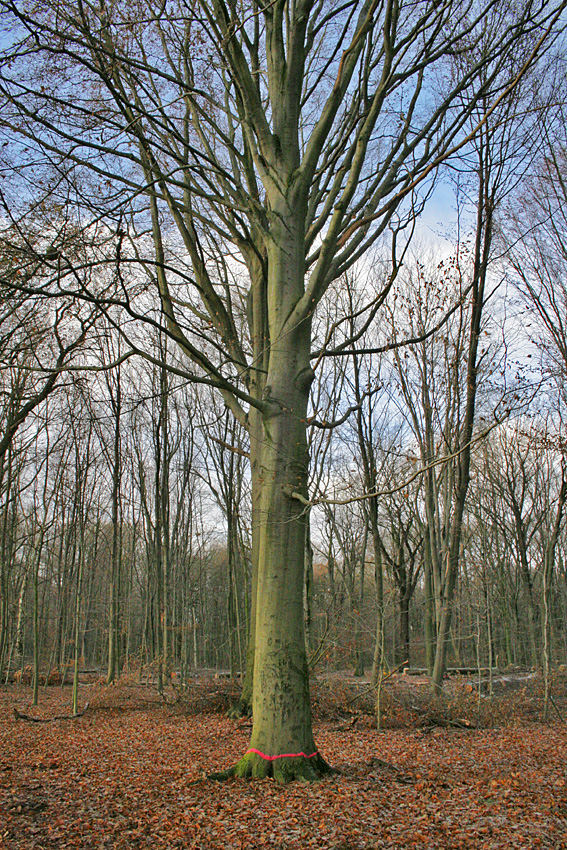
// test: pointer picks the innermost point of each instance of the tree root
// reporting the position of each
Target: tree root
(282, 770)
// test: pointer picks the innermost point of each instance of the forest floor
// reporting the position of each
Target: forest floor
(131, 773)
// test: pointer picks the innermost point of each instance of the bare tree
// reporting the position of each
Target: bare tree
(283, 137)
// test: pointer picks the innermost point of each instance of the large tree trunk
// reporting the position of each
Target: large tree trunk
(281, 705)
(282, 742)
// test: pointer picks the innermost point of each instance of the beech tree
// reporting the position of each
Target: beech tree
(282, 139)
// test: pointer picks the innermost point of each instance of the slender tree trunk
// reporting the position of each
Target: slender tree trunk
(16, 655)
(244, 705)
(77, 629)
(429, 611)
(194, 630)
(260, 336)
(163, 541)
(483, 242)
(358, 649)
(548, 562)
(35, 676)
(5, 547)
(115, 553)
(230, 608)
(404, 629)
(378, 660)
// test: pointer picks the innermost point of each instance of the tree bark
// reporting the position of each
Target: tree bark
(282, 742)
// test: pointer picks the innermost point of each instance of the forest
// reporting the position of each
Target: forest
(283, 357)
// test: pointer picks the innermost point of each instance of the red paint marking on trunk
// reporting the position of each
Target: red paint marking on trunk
(282, 756)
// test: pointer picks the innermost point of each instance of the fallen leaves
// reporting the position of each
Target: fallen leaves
(134, 778)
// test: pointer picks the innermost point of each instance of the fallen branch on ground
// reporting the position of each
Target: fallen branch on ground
(21, 716)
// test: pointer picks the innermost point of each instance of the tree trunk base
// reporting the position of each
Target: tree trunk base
(241, 708)
(281, 769)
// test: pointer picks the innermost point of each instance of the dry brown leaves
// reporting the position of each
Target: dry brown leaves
(132, 776)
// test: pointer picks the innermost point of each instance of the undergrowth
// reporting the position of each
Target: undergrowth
(405, 704)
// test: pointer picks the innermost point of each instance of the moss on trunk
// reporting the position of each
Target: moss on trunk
(283, 769)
